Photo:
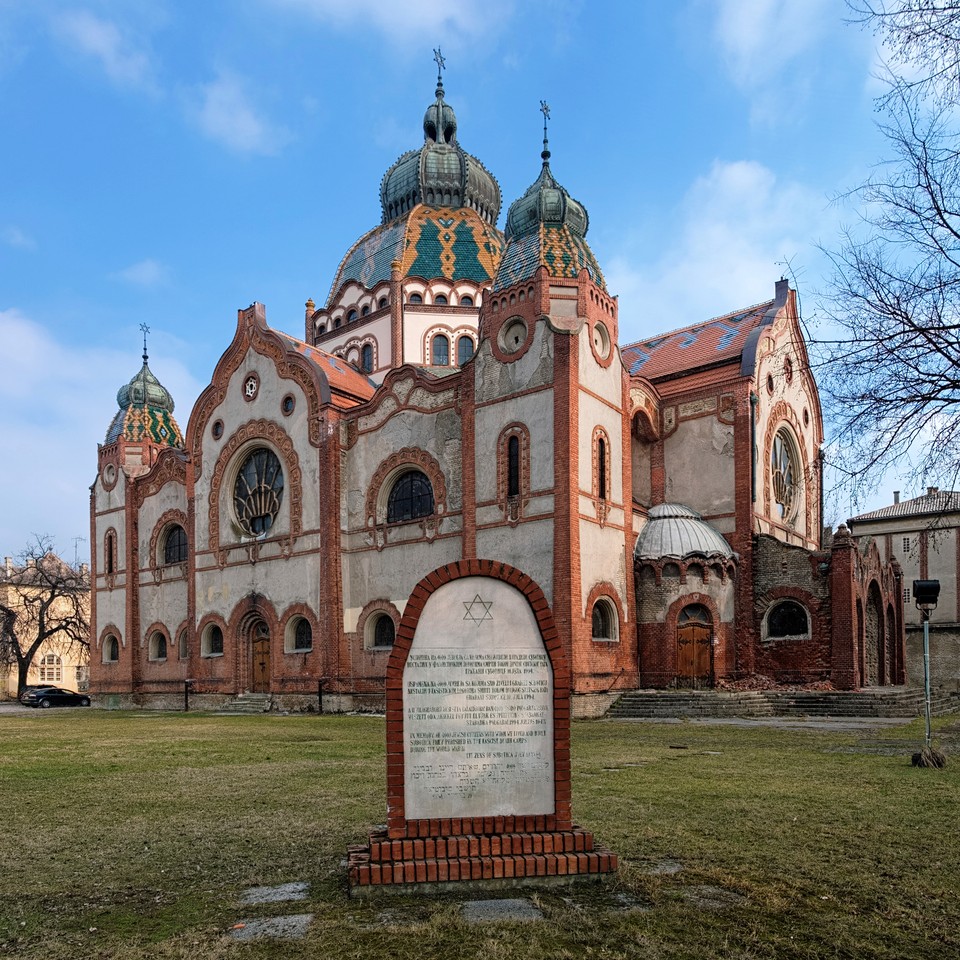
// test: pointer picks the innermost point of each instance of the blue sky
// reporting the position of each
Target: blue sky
(168, 162)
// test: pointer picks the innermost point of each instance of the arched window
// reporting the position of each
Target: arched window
(601, 468)
(322, 330)
(175, 545)
(109, 549)
(785, 477)
(381, 303)
(111, 649)
(303, 635)
(336, 323)
(51, 669)
(787, 619)
(513, 466)
(365, 310)
(466, 301)
(440, 351)
(383, 631)
(604, 620)
(415, 298)
(258, 492)
(440, 299)
(351, 316)
(410, 498)
(366, 358)
(211, 644)
(157, 649)
(182, 645)
(464, 350)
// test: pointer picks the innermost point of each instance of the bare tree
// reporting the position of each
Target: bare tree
(891, 380)
(43, 600)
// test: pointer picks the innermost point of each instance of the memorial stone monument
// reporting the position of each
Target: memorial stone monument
(478, 740)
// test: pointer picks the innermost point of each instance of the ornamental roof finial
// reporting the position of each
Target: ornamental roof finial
(545, 110)
(441, 63)
(145, 330)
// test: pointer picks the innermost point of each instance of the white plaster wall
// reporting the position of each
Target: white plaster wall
(535, 410)
(527, 546)
(535, 368)
(602, 560)
(699, 465)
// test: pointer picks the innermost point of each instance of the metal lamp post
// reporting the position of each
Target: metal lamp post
(925, 594)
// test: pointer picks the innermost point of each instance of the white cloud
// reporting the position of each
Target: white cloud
(760, 40)
(14, 237)
(119, 56)
(146, 273)
(226, 114)
(733, 226)
(58, 400)
(421, 18)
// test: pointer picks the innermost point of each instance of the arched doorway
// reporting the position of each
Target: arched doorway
(695, 647)
(873, 640)
(258, 634)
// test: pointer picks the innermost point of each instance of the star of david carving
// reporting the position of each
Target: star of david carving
(478, 610)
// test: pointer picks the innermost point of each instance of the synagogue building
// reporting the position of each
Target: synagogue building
(462, 393)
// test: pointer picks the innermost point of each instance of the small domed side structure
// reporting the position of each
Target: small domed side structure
(685, 576)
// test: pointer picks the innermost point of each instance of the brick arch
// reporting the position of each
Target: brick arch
(601, 498)
(167, 519)
(371, 609)
(155, 627)
(111, 629)
(412, 458)
(513, 507)
(561, 818)
(607, 591)
(251, 608)
(299, 610)
(111, 555)
(806, 600)
(270, 434)
(782, 414)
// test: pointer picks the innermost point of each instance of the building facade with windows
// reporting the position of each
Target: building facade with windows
(923, 535)
(462, 394)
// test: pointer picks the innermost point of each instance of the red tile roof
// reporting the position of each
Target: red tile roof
(347, 384)
(935, 502)
(716, 341)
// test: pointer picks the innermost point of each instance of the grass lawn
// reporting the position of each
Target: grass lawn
(132, 835)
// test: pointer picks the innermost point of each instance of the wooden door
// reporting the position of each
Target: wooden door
(260, 665)
(694, 655)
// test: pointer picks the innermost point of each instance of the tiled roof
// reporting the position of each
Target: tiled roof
(343, 377)
(137, 423)
(557, 248)
(941, 501)
(431, 242)
(718, 340)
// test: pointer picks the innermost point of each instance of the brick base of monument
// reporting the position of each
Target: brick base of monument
(529, 856)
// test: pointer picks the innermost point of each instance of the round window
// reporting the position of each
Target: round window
(258, 492)
(217, 429)
(601, 340)
(513, 335)
(785, 477)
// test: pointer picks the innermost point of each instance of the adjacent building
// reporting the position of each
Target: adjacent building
(923, 536)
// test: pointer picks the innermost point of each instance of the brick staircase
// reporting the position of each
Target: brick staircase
(248, 703)
(875, 702)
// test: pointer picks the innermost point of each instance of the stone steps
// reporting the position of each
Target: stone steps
(248, 703)
(894, 702)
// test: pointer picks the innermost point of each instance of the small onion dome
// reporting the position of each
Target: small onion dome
(546, 228)
(547, 202)
(441, 173)
(676, 531)
(146, 412)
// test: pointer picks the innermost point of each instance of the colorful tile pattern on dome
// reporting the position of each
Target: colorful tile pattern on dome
(718, 340)
(453, 243)
(368, 260)
(562, 252)
(138, 424)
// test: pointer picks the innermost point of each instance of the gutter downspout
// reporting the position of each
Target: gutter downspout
(754, 400)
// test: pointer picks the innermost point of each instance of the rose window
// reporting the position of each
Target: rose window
(785, 477)
(258, 492)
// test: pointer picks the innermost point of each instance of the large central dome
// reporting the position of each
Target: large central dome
(441, 173)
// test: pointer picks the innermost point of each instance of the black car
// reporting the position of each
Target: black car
(53, 697)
